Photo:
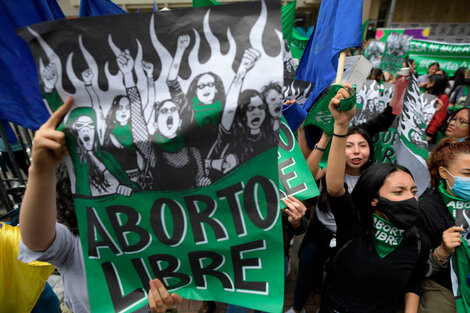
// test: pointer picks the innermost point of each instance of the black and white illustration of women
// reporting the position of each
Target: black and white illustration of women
(128, 139)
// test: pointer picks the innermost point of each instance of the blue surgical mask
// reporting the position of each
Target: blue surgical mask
(461, 187)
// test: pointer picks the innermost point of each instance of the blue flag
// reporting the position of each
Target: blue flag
(338, 27)
(99, 7)
(21, 101)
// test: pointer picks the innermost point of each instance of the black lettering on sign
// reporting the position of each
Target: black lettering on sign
(196, 260)
(290, 144)
(120, 301)
(389, 155)
(252, 206)
(198, 217)
(122, 230)
(163, 273)
(232, 193)
(240, 264)
(286, 177)
(142, 271)
(95, 228)
(157, 221)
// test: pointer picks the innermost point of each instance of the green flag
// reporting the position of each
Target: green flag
(295, 178)
(288, 17)
(298, 44)
(204, 3)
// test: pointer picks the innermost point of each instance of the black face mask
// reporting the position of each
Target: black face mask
(402, 214)
(466, 81)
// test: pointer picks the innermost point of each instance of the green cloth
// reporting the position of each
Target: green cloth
(169, 145)
(82, 186)
(461, 257)
(123, 135)
(204, 3)
(364, 30)
(207, 113)
(298, 44)
(320, 115)
(288, 17)
(387, 236)
(53, 99)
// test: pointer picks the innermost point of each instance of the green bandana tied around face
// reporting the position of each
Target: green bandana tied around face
(170, 145)
(207, 113)
(387, 236)
(123, 135)
(460, 260)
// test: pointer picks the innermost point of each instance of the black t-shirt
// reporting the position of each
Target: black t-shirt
(359, 280)
(435, 219)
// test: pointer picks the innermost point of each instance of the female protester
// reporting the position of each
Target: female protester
(44, 239)
(436, 85)
(319, 241)
(380, 261)
(457, 127)
(449, 167)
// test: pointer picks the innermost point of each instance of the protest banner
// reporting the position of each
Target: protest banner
(374, 52)
(372, 99)
(395, 52)
(411, 149)
(295, 178)
(450, 56)
(175, 172)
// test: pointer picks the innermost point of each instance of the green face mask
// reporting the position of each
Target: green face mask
(387, 236)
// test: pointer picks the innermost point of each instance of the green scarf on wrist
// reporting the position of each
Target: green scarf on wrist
(207, 113)
(387, 236)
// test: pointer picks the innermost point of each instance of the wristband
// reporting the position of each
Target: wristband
(319, 148)
(340, 136)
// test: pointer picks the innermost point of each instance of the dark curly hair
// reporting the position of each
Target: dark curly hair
(64, 199)
(219, 85)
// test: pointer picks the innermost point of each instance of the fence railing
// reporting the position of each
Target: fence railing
(15, 158)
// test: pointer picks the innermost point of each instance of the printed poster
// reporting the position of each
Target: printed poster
(173, 145)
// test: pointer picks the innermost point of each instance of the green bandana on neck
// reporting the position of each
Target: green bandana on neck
(170, 145)
(453, 203)
(207, 113)
(461, 257)
(387, 236)
(123, 135)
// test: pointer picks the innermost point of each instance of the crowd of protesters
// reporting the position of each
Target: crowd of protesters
(369, 242)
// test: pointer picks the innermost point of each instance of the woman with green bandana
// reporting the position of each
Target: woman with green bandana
(205, 99)
(380, 261)
(183, 162)
(445, 217)
(96, 171)
(123, 131)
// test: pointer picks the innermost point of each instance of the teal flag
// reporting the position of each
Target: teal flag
(156, 193)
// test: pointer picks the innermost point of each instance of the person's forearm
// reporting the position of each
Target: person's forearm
(337, 161)
(316, 155)
(38, 209)
(411, 302)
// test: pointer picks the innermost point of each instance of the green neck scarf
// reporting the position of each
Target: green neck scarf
(453, 203)
(123, 135)
(387, 236)
(461, 257)
(207, 113)
(169, 145)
